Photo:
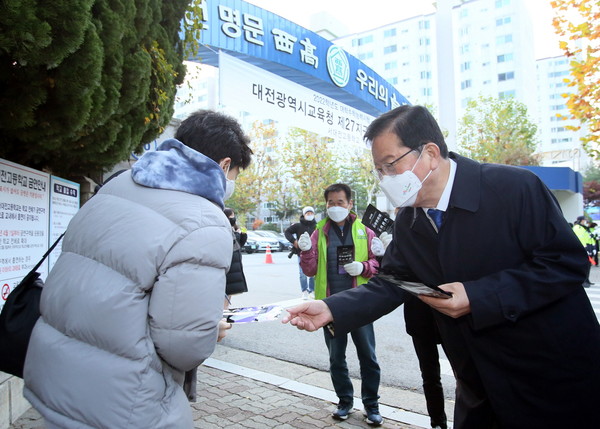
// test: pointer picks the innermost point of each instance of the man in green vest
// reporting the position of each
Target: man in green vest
(339, 255)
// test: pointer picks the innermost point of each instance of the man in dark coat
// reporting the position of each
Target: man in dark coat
(519, 329)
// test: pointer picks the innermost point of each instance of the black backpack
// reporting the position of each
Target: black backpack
(18, 317)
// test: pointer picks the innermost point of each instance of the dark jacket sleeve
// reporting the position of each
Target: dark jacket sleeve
(291, 233)
(359, 306)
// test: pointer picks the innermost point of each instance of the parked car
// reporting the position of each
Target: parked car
(250, 246)
(263, 241)
(284, 244)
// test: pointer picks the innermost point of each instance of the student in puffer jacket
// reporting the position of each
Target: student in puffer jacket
(136, 297)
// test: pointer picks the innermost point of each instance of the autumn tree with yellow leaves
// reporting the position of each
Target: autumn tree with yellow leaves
(578, 25)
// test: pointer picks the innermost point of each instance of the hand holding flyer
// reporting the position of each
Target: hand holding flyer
(263, 313)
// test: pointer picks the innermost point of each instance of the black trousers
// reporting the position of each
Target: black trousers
(429, 363)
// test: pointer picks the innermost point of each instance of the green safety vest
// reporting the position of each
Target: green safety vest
(361, 254)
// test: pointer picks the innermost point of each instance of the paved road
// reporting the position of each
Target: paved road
(268, 283)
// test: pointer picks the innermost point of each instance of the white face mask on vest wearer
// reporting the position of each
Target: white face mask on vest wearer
(402, 189)
(337, 214)
(309, 217)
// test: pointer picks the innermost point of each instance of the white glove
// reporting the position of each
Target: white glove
(304, 242)
(354, 268)
(377, 247)
(386, 239)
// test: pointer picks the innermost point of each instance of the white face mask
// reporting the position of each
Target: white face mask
(309, 217)
(337, 214)
(402, 189)
(229, 188)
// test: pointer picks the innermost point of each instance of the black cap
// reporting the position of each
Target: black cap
(580, 218)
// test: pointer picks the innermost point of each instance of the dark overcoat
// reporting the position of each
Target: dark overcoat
(528, 354)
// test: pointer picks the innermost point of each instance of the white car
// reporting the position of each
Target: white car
(263, 241)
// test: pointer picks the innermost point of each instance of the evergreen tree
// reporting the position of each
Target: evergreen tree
(86, 82)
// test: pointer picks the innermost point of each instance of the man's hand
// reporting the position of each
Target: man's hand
(456, 306)
(223, 327)
(309, 316)
(304, 242)
(354, 268)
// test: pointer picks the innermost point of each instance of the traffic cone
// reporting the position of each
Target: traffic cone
(268, 257)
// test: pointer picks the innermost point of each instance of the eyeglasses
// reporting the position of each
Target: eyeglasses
(387, 169)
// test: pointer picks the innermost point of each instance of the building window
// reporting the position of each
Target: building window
(557, 129)
(558, 107)
(504, 58)
(506, 76)
(506, 38)
(426, 92)
(502, 3)
(391, 65)
(393, 80)
(424, 41)
(362, 40)
(465, 48)
(424, 58)
(390, 32)
(506, 94)
(559, 73)
(465, 66)
(365, 55)
(503, 21)
(423, 25)
(563, 140)
(425, 75)
(465, 84)
(390, 49)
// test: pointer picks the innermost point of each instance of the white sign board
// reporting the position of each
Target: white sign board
(28, 203)
(248, 88)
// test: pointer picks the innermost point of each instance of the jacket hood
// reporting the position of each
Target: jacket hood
(177, 167)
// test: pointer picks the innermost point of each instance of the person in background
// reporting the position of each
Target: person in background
(136, 297)
(582, 231)
(236, 281)
(519, 329)
(342, 236)
(306, 224)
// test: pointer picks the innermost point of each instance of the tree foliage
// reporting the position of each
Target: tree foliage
(591, 193)
(498, 131)
(252, 183)
(312, 166)
(86, 82)
(578, 25)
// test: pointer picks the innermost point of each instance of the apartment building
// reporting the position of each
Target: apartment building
(469, 48)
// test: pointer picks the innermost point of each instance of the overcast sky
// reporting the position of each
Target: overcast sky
(361, 15)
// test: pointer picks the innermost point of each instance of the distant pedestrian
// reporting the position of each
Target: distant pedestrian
(306, 224)
(339, 255)
(582, 231)
(136, 297)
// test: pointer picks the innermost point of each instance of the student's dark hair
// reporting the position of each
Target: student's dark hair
(217, 136)
(228, 212)
(414, 126)
(337, 187)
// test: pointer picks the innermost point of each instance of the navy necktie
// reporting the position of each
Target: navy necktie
(436, 216)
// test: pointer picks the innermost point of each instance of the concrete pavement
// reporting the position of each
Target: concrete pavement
(240, 390)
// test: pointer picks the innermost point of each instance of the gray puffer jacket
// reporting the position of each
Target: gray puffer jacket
(135, 298)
